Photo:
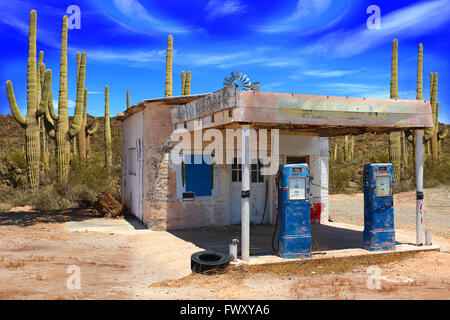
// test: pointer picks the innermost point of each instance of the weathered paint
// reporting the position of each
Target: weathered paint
(163, 208)
(316, 112)
(294, 240)
(315, 210)
(379, 233)
(132, 137)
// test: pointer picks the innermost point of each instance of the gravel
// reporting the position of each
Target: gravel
(350, 209)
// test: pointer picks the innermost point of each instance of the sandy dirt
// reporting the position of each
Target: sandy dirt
(36, 249)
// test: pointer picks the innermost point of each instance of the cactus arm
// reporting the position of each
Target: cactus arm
(43, 105)
(75, 126)
(85, 106)
(49, 125)
(39, 83)
(92, 128)
(51, 109)
(443, 134)
(183, 81)
(419, 93)
(13, 105)
(187, 85)
(428, 132)
(78, 65)
(128, 99)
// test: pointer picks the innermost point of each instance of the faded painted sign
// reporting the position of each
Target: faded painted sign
(342, 110)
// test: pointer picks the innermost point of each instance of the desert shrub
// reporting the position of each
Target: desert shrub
(47, 199)
(436, 172)
(13, 168)
(339, 179)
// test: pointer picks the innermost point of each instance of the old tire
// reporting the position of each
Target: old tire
(209, 261)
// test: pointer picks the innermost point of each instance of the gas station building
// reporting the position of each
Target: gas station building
(166, 195)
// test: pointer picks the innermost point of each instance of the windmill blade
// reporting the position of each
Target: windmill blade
(239, 79)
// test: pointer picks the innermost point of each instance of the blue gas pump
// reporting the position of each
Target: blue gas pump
(294, 239)
(379, 232)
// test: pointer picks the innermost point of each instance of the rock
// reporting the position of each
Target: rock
(107, 205)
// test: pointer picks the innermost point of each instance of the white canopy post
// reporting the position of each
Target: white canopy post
(419, 187)
(245, 194)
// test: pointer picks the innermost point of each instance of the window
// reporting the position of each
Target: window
(296, 159)
(132, 161)
(255, 172)
(236, 171)
(198, 178)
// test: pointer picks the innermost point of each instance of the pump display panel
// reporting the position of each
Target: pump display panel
(297, 188)
(383, 186)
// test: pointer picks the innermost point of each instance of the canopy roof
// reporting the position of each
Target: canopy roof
(324, 115)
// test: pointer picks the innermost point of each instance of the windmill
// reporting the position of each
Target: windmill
(239, 80)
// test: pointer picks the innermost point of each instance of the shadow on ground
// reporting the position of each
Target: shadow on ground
(323, 237)
(26, 218)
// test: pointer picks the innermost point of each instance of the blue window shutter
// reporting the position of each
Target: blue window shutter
(198, 177)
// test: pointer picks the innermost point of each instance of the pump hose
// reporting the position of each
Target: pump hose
(277, 182)
(265, 201)
(274, 232)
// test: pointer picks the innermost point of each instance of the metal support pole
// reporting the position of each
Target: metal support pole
(245, 194)
(419, 188)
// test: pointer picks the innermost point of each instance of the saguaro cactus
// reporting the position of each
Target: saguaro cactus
(169, 59)
(108, 152)
(419, 89)
(394, 137)
(346, 153)
(431, 134)
(352, 148)
(441, 132)
(128, 99)
(58, 126)
(81, 136)
(187, 84)
(183, 81)
(91, 129)
(36, 104)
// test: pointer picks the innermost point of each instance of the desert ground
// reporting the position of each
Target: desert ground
(37, 250)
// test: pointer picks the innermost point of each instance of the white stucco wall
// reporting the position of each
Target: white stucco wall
(132, 137)
(317, 150)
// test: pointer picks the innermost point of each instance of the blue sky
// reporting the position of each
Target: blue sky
(301, 46)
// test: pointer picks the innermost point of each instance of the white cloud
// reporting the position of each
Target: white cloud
(218, 8)
(136, 56)
(408, 22)
(133, 9)
(70, 105)
(303, 9)
(13, 17)
(328, 73)
(260, 56)
(306, 8)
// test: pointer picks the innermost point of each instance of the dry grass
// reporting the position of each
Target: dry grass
(16, 264)
(389, 288)
(307, 268)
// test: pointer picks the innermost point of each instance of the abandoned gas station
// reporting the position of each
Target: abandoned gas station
(242, 191)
